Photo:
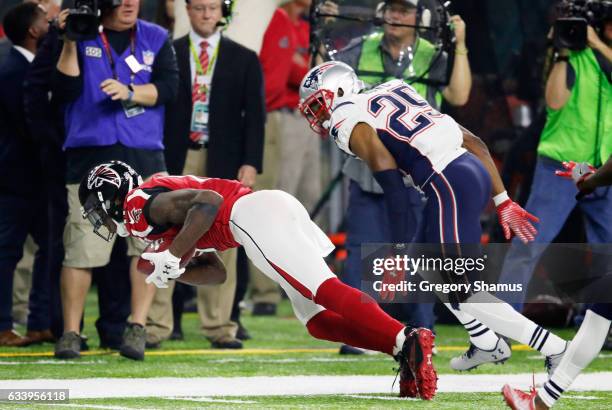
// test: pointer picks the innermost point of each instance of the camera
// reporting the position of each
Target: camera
(571, 27)
(84, 18)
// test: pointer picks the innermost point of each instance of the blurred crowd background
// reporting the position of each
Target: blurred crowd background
(219, 98)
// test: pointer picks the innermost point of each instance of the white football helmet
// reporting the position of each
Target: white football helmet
(324, 88)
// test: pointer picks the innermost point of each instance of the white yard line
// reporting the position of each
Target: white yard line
(90, 406)
(211, 400)
(286, 385)
(53, 362)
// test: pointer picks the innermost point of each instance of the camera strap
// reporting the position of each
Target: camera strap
(109, 53)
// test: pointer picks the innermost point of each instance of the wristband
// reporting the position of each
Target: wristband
(501, 198)
(461, 51)
(130, 95)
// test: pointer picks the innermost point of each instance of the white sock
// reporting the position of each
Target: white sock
(581, 351)
(481, 336)
(503, 319)
(399, 342)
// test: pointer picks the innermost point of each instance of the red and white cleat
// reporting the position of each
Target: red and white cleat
(418, 377)
(519, 400)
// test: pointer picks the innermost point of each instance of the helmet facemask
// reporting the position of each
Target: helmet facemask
(95, 211)
(317, 109)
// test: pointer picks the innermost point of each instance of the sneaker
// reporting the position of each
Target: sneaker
(68, 346)
(177, 335)
(227, 344)
(519, 400)
(551, 362)
(134, 340)
(264, 309)
(418, 377)
(242, 333)
(475, 356)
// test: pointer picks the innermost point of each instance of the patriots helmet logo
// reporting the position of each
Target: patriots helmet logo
(313, 79)
(102, 174)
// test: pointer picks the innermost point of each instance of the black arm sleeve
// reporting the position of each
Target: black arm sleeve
(165, 74)
(66, 88)
(254, 108)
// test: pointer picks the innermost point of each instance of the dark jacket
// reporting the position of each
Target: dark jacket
(19, 156)
(236, 112)
(44, 118)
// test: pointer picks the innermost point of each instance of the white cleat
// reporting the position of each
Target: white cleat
(474, 356)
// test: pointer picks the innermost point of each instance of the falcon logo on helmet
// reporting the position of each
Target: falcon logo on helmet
(101, 174)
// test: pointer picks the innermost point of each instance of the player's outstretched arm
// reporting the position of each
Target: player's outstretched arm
(512, 217)
(195, 210)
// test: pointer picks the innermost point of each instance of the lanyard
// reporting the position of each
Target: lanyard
(109, 52)
(198, 63)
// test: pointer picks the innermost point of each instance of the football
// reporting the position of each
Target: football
(161, 245)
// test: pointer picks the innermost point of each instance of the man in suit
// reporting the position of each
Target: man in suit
(215, 129)
(22, 205)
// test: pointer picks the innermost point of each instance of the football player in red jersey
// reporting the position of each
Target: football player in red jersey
(277, 235)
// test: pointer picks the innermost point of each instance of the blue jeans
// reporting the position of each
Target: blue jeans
(552, 199)
(367, 222)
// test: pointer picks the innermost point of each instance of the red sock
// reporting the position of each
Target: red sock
(328, 325)
(360, 309)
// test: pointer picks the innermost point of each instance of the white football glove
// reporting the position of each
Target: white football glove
(167, 266)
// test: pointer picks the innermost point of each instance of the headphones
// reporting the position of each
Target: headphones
(226, 8)
(423, 17)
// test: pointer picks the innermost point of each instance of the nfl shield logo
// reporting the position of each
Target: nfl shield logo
(148, 57)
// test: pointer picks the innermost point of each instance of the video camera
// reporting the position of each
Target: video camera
(84, 19)
(571, 27)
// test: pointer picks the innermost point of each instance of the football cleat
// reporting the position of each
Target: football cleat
(474, 356)
(418, 377)
(551, 362)
(519, 400)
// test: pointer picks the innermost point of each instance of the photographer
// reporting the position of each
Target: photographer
(578, 128)
(114, 88)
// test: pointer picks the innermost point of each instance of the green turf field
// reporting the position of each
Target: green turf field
(443, 401)
(280, 347)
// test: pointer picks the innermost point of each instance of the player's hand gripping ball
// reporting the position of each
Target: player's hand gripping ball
(157, 262)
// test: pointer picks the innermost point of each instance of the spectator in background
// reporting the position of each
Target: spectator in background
(396, 52)
(278, 51)
(300, 149)
(115, 88)
(22, 199)
(165, 15)
(578, 128)
(215, 129)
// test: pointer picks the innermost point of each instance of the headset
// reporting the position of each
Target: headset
(423, 14)
(226, 8)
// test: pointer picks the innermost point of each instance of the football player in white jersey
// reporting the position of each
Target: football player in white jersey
(396, 132)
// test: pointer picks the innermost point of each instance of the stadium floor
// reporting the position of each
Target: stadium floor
(186, 374)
